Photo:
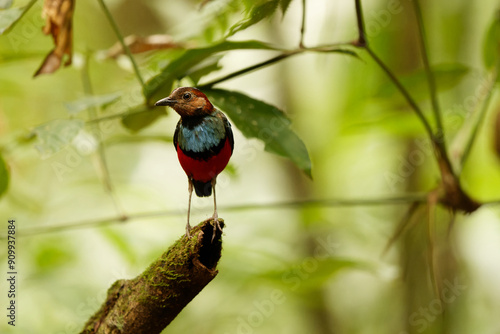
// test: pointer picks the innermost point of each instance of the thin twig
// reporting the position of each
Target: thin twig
(397, 200)
(432, 202)
(248, 69)
(284, 55)
(431, 80)
(482, 114)
(122, 42)
(439, 136)
(404, 224)
(303, 25)
(362, 40)
(403, 91)
(448, 175)
(101, 155)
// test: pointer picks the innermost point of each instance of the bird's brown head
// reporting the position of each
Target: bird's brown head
(187, 102)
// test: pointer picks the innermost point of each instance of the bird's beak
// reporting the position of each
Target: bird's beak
(165, 102)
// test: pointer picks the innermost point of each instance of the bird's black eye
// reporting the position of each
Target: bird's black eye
(186, 96)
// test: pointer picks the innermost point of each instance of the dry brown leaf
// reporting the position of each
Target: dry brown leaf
(59, 18)
(138, 44)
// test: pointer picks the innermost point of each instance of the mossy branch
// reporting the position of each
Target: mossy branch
(149, 302)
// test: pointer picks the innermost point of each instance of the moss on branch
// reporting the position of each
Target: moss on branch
(149, 302)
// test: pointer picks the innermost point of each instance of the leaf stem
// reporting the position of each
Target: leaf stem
(122, 42)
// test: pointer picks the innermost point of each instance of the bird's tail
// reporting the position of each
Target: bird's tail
(203, 189)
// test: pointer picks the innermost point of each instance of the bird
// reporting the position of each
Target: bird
(204, 142)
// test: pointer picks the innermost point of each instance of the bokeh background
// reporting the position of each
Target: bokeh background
(285, 268)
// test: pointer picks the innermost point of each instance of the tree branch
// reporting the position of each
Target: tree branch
(149, 302)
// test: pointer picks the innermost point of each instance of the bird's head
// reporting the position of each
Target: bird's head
(187, 102)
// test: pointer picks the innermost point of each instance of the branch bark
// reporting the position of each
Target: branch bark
(149, 302)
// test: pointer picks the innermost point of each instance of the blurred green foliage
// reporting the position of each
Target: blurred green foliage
(83, 147)
(491, 48)
(447, 76)
(4, 176)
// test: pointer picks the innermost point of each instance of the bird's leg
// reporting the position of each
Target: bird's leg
(215, 217)
(190, 190)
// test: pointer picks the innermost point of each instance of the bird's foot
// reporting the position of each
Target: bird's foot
(216, 223)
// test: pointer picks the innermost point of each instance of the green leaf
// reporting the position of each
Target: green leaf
(217, 19)
(208, 66)
(447, 76)
(161, 85)
(4, 4)
(398, 123)
(19, 56)
(55, 135)
(142, 116)
(85, 103)
(284, 4)
(382, 114)
(491, 48)
(257, 119)
(51, 254)
(120, 242)
(259, 12)
(312, 272)
(4, 176)
(9, 17)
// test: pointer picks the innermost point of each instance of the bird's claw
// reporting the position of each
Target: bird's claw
(216, 224)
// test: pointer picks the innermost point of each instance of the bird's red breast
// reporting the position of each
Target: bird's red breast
(205, 170)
